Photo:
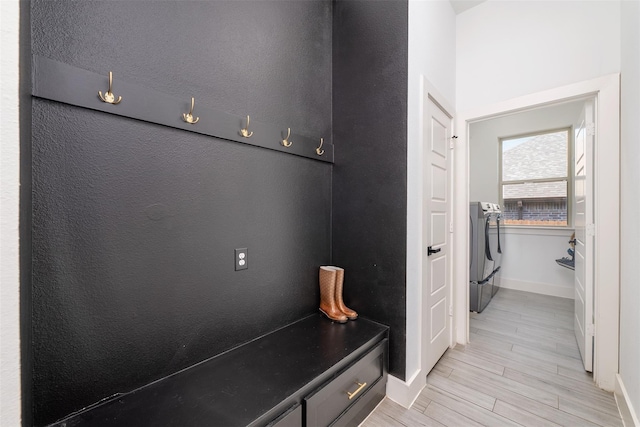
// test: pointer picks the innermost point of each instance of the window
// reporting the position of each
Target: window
(534, 179)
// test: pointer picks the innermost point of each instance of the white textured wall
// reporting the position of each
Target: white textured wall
(506, 49)
(9, 211)
(528, 262)
(432, 49)
(432, 56)
(630, 201)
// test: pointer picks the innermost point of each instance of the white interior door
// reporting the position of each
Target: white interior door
(584, 240)
(436, 234)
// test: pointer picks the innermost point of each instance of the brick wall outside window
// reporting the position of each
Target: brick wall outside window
(552, 209)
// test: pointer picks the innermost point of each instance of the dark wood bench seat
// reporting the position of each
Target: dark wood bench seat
(265, 381)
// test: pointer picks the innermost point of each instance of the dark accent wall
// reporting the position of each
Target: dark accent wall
(26, 338)
(134, 224)
(370, 42)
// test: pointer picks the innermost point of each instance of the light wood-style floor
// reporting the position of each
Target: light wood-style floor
(522, 367)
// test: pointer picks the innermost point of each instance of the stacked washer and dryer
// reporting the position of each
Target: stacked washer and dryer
(486, 246)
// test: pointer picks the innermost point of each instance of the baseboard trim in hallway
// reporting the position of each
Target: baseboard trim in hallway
(521, 368)
(629, 415)
(405, 393)
(537, 288)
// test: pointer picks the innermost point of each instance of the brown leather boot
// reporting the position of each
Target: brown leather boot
(328, 295)
(351, 315)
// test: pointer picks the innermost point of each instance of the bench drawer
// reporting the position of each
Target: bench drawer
(337, 396)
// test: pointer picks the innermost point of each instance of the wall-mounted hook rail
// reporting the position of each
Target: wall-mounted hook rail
(188, 117)
(60, 82)
(109, 97)
(245, 132)
(286, 141)
(319, 149)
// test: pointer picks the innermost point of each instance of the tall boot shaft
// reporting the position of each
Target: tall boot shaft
(351, 314)
(328, 304)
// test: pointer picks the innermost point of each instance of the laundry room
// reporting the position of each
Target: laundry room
(520, 170)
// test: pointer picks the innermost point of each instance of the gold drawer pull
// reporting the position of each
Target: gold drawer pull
(352, 395)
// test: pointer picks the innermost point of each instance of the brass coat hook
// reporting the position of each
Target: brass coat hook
(109, 97)
(245, 132)
(286, 141)
(319, 150)
(189, 116)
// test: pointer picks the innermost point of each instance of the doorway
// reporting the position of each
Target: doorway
(534, 165)
(606, 188)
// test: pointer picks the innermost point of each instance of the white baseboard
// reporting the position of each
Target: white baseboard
(537, 288)
(406, 392)
(627, 411)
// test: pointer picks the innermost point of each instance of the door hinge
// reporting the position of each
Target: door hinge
(591, 330)
(451, 227)
(591, 129)
(591, 229)
(450, 309)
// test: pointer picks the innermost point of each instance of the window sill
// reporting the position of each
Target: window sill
(538, 230)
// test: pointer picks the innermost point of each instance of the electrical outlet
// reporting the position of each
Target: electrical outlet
(242, 259)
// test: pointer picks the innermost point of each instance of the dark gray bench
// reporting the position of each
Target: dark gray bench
(313, 372)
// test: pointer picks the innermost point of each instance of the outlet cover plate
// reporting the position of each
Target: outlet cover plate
(241, 259)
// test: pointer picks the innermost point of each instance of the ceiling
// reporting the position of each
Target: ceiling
(460, 6)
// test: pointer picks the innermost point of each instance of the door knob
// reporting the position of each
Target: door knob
(431, 251)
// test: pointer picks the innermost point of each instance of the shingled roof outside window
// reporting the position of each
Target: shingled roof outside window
(535, 173)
